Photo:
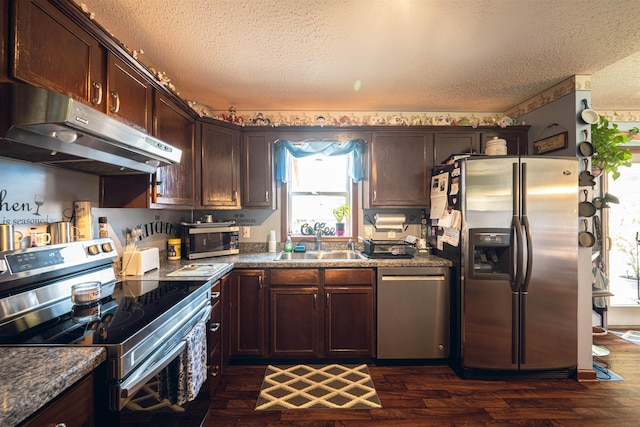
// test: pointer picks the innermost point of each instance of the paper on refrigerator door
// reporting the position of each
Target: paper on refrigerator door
(439, 200)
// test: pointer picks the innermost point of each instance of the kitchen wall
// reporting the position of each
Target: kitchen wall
(21, 183)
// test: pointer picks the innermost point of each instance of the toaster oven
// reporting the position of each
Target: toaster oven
(209, 239)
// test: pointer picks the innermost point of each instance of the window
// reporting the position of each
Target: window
(316, 185)
(317, 177)
(624, 228)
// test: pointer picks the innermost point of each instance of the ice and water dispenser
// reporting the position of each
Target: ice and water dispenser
(490, 252)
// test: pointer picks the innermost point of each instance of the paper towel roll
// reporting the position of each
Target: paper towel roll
(272, 241)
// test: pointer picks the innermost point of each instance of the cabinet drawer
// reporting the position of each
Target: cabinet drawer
(216, 290)
(349, 276)
(295, 276)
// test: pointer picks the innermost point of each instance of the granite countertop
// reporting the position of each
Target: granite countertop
(225, 264)
(30, 377)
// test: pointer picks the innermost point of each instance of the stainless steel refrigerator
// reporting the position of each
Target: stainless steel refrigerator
(518, 264)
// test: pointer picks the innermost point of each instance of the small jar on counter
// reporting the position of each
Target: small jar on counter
(102, 227)
(173, 249)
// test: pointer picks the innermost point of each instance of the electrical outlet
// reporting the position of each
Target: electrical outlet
(246, 231)
(368, 232)
(391, 234)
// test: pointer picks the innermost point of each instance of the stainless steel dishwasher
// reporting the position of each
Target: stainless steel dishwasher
(413, 313)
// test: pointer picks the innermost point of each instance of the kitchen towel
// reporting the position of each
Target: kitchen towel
(182, 379)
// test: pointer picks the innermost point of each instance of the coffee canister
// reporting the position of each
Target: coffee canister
(83, 219)
(173, 248)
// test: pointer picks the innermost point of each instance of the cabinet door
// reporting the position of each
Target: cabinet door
(129, 96)
(248, 317)
(349, 321)
(448, 143)
(75, 407)
(400, 169)
(349, 312)
(258, 185)
(175, 184)
(294, 321)
(517, 141)
(225, 286)
(220, 157)
(51, 51)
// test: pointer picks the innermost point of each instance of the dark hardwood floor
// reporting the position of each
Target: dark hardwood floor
(436, 396)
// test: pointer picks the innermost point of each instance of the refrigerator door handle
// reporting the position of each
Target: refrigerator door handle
(524, 286)
(516, 233)
(527, 272)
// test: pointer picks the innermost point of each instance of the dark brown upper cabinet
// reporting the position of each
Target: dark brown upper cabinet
(400, 170)
(258, 184)
(129, 95)
(219, 167)
(447, 143)
(51, 51)
(175, 184)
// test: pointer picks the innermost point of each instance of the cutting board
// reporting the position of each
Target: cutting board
(198, 270)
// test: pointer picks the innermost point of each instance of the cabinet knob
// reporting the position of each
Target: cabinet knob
(97, 93)
(215, 295)
(61, 425)
(215, 370)
(215, 327)
(115, 102)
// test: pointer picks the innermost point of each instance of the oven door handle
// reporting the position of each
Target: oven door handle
(133, 384)
(151, 368)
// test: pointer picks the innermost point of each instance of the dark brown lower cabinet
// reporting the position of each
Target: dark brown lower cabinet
(349, 321)
(349, 312)
(294, 321)
(321, 313)
(248, 316)
(75, 407)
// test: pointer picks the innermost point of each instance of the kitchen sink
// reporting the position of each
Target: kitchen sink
(319, 255)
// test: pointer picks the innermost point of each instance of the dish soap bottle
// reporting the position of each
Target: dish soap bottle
(288, 244)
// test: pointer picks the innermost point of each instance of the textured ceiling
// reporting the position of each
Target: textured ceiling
(381, 55)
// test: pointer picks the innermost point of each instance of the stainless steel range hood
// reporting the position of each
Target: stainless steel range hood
(52, 129)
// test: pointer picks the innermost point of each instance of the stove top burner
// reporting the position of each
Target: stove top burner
(133, 305)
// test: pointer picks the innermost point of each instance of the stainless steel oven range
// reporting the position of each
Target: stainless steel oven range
(141, 323)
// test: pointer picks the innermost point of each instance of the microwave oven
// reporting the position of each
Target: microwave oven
(203, 240)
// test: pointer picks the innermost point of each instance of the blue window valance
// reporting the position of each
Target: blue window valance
(354, 148)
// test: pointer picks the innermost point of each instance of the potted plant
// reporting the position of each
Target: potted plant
(340, 213)
(607, 139)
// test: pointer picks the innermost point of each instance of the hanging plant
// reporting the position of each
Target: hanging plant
(607, 140)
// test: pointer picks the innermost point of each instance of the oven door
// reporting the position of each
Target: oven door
(121, 392)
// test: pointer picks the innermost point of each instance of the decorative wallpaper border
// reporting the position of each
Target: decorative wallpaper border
(343, 118)
(572, 84)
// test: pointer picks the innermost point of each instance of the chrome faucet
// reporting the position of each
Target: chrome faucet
(350, 245)
(318, 239)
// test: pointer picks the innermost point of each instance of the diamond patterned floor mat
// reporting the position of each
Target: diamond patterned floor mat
(317, 387)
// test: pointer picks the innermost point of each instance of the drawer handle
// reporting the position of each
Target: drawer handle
(61, 425)
(215, 327)
(215, 295)
(215, 371)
